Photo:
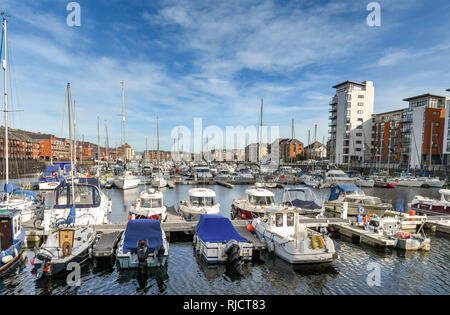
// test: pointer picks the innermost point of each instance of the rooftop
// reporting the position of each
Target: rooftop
(349, 82)
(422, 96)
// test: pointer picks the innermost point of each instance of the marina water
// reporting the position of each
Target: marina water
(400, 272)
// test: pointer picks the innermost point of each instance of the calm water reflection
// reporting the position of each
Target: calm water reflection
(401, 273)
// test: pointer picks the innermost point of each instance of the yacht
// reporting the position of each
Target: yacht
(126, 181)
(292, 241)
(149, 206)
(432, 206)
(408, 181)
(355, 198)
(202, 174)
(158, 181)
(433, 182)
(258, 200)
(24, 200)
(338, 177)
(200, 201)
(92, 205)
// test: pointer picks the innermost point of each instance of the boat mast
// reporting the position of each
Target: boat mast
(123, 123)
(69, 101)
(98, 143)
(157, 143)
(5, 99)
(106, 147)
(260, 132)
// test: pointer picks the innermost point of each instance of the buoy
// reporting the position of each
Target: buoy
(243, 216)
(7, 259)
(250, 228)
(32, 261)
(282, 176)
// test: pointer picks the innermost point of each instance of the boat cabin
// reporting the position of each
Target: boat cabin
(86, 192)
(445, 195)
(260, 197)
(300, 197)
(151, 199)
(10, 227)
(340, 192)
(202, 197)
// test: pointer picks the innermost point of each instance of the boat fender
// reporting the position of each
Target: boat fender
(250, 228)
(66, 249)
(16, 253)
(7, 259)
(316, 239)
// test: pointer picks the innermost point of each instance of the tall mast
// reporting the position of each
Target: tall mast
(98, 141)
(69, 101)
(5, 99)
(123, 123)
(146, 150)
(75, 129)
(157, 141)
(106, 143)
(260, 131)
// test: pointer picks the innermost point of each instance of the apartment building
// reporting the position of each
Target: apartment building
(446, 144)
(423, 126)
(387, 137)
(316, 150)
(351, 111)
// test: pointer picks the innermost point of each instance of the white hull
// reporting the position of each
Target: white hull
(409, 183)
(48, 186)
(126, 183)
(159, 183)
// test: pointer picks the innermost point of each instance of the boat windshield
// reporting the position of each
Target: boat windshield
(151, 202)
(202, 201)
(371, 201)
(260, 200)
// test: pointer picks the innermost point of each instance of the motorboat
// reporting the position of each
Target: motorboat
(126, 181)
(288, 238)
(432, 206)
(384, 182)
(12, 236)
(354, 198)
(364, 182)
(433, 182)
(158, 181)
(315, 181)
(223, 176)
(92, 205)
(142, 245)
(149, 206)
(338, 177)
(258, 200)
(303, 200)
(202, 174)
(408, 181)
(200, 201)
(217, 241)
(64, 246)
(24, 200)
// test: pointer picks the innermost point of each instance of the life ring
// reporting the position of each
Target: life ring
(66, 249)
(314, 240)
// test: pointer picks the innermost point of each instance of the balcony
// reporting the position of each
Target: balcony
(334, 116)
(333, 108)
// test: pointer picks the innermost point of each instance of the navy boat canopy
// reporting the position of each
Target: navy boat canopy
(138, 230)
(52, 168)
(15, 190)
(304, 204)
(337, 190)
(215, 228)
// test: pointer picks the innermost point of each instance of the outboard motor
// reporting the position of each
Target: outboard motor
(45, 259)
(232, 251)
(142, 252)
(160, 255)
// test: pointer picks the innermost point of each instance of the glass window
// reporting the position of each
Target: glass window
(290, 219)
(83, 195)
(62, 197)
(279, 219)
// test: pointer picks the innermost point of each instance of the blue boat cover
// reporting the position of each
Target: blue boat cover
(144, 229)
(215, 228)
(13, 189)
(52, 168)
(337, 190)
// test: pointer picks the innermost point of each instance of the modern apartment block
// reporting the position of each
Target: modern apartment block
(350, 124)
(387, 137)
(423, 127)
(446, 144)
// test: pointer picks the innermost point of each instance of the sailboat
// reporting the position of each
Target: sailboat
(158, 180)
(14, 197)
(12, 235)
(126, 180)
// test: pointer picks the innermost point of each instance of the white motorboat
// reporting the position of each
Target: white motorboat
(433, 182)
(365, 182)
(23, 200)
(292, 241)
(432, 206)
(126, 181)
(92, 205)
(202, 174)
(408, 181)
(200, 201)
(158, 181)
(149, 206)
(258, 200)
(143, 245)
(338, 177)
(217, 241)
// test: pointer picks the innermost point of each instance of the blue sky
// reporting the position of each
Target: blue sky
(216, 60)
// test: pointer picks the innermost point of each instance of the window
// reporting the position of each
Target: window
(359, 127)
(359, 134)
(360, 96)
(436, 124)
(279, 220)
(358, 149)
(360, 104)
(436, 113)
(358, 142)
(360, 119)
(290, 219)
(360, 112)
